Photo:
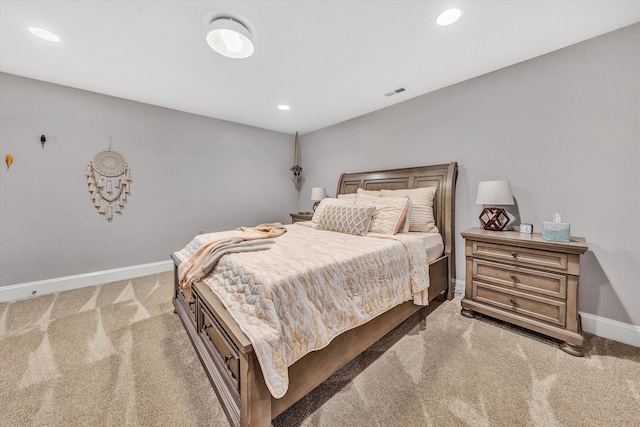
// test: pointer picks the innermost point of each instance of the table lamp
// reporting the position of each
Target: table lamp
(317, 194)
(494, 193)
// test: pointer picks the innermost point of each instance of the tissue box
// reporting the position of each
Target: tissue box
(555, 232)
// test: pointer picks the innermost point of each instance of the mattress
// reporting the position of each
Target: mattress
(433, 244)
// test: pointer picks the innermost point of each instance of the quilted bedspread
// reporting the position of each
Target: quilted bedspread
(311, 286)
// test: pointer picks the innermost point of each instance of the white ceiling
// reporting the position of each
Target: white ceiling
(329, 60)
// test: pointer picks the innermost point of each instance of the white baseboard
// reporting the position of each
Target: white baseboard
(31, 289)
(611, 329)
(458, 287)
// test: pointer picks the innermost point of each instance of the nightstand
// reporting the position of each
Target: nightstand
(301, 216)
(527, 281)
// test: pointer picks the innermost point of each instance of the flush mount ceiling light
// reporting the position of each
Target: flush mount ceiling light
(284, 107)
(44, 34)
(230, 37)
(448, 17)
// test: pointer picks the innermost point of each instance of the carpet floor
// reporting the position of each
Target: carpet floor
(117, 355)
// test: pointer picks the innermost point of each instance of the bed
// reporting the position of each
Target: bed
(227, 354)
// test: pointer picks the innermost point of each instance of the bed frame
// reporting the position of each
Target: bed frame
(227, 355)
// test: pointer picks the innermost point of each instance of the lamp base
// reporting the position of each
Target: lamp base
(494, 219)
(315, 205)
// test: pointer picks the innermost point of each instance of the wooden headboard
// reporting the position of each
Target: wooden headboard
(443, 177)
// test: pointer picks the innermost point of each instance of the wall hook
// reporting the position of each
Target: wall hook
(43, 140)
(8, 160)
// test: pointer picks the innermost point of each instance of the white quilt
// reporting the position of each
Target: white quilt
(311, 286)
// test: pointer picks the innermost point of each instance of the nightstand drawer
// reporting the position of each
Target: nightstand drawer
(521, 256)
(541, 282)
(518, 302)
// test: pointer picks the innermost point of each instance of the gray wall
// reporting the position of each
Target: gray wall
(189, 172)
(563, 128)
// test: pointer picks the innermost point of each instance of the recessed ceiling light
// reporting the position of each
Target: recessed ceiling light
(44, 34)
(448, 17)
(283, 107)
(230, 37)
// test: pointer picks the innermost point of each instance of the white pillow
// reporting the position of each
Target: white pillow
(347, 196)
(371, 193)
(422, 218)
(390, 214)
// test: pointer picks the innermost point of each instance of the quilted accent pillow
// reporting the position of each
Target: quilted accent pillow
(422, 218)
(330, 202)
(390, 214)
(346, 219)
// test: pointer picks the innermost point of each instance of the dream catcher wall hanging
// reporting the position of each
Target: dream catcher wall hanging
(109, 179)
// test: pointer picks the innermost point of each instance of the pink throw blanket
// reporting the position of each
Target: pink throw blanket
(204, 260)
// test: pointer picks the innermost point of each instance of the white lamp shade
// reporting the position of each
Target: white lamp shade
(318, 193)
(494, 193)
(230, 38)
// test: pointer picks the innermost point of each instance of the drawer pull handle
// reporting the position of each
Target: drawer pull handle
(514, 278)
(513, 302)
(226, 359)
(514, 254)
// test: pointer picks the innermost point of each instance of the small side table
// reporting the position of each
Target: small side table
(300, 216)
(527, 281)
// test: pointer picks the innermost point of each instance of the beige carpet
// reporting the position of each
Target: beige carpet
(116, 355)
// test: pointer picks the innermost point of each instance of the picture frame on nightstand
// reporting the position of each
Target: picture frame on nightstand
(526, 228)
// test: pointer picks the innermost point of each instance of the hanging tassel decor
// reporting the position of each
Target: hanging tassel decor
(297, 167)
(105, 166)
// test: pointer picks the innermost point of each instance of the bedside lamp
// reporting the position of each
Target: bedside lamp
(494, 193)
(317, 194)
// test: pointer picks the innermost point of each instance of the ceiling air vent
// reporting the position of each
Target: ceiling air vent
(396, 91)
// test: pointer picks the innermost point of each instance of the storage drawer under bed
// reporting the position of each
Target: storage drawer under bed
(222, 351)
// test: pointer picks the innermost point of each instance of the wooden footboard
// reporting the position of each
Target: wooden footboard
(224, 350)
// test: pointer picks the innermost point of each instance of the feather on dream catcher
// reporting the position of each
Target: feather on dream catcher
(109, 179)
